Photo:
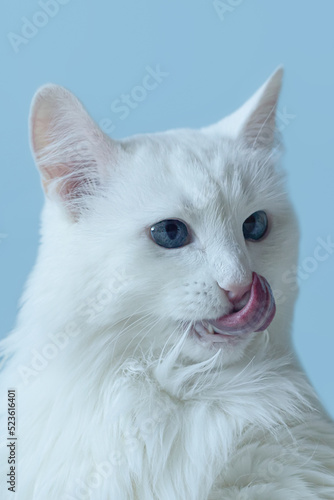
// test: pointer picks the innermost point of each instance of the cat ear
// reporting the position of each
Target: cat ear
(70, 150)
(255, 121)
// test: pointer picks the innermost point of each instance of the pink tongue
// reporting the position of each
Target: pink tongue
(255, 316)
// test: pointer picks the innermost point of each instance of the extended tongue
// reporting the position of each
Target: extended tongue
(255, 316)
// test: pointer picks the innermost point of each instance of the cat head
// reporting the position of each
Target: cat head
(166, 233)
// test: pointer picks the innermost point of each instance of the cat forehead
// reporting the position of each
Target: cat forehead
(203, 166)
(189, 155)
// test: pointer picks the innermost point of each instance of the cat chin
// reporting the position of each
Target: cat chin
(229, 350)
(218, 340)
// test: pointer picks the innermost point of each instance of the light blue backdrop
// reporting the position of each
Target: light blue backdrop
(214, 61)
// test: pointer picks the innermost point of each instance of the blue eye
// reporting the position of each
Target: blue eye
(255, 227)
(170, 233)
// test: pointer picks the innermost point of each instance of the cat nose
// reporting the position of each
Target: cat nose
(235, 292)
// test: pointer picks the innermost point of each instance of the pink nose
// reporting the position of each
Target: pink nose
(236, 292)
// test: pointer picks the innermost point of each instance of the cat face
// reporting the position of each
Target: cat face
(219, 193)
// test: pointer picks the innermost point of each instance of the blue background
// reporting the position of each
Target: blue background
(100, 50)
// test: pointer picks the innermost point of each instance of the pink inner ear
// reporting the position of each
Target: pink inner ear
(41, 116)
(67, 186)
(70, 149)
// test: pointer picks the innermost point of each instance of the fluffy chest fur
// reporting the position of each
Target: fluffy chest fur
(152, 430)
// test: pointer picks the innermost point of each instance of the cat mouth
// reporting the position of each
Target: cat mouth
(255, 316)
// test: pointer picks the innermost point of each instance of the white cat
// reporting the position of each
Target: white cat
(149, 359)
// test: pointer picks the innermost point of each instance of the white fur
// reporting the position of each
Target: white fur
(132, 406)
